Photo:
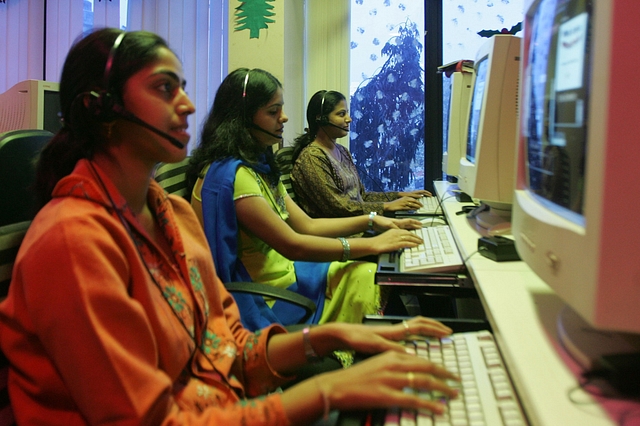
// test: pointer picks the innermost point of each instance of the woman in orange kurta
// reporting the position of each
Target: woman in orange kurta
(115, 314)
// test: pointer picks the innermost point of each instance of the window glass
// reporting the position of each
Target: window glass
(88, 14)
(466, 26)
(387, 93)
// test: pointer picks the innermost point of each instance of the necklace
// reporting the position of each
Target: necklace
(334, 152)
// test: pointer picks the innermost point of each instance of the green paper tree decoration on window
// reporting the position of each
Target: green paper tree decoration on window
(253, 15)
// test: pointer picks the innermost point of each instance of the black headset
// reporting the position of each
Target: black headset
(244, 97)
(323, 120)
(101, 104)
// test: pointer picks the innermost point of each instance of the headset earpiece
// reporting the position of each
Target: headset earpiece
(101, 103)
(323, 120)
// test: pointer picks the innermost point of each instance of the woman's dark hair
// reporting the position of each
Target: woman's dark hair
(83, 72)
(321, 104)
(226, 131)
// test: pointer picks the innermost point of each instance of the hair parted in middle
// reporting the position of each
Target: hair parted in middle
(225, 132)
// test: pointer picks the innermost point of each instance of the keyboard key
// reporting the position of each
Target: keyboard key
(486, 396)
(437, 254)
(430, 205)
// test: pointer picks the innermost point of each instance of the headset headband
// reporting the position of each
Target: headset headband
(111, 58)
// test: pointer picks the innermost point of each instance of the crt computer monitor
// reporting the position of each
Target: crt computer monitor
(487, 170)
(578, 176)
(455, 129)
(30, 104)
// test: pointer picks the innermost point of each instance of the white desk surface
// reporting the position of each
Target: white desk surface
(522, 311)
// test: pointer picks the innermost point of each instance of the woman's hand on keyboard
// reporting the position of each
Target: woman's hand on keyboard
(407, 223)
(403, 203)
(393, 240)
(419, 193)
(381, 381)
(418, 326)
(373, 339)
(382, 223)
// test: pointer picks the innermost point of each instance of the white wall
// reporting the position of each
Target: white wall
(307, 47)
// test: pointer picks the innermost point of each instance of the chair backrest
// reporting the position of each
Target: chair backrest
(6, 412)
(284, 159)
(171, 176)
(19, 151)
(11, 237)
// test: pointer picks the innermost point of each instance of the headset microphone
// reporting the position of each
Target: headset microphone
(328, 123)
(129, 116)
(255, 126)
(323, 120)
(244, 109)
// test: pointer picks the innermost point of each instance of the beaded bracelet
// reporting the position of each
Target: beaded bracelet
(371, 216)
(346, 249)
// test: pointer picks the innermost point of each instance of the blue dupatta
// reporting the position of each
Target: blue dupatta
(221, 229)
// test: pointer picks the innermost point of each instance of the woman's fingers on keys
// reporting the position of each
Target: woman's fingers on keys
(425, 381)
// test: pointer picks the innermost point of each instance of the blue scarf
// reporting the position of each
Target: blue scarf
(221, 229)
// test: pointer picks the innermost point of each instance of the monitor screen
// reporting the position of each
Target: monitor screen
(577, 169)
(455, 122)
(487, 170)
(476, 107)
(556, 147)
(446, 103)
(51, 108)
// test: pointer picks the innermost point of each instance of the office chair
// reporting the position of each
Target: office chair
(171, 176)
(11, 237)
(19, 150)
(285, 163)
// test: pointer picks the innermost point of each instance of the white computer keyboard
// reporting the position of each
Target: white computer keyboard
(486, 395)
(430, 205)
(439, 252)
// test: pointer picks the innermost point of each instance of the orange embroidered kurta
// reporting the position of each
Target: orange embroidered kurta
(97, 335)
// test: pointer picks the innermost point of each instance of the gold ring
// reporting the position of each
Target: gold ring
(410, 377)
(406, 328)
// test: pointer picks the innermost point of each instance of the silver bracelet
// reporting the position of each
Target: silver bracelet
(326, 404)
(346, 249)
(371, 216)
(309, 352)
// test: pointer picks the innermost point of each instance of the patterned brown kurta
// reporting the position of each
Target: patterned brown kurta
(325, 187)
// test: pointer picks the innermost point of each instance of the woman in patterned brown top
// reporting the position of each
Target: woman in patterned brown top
(324, 176)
